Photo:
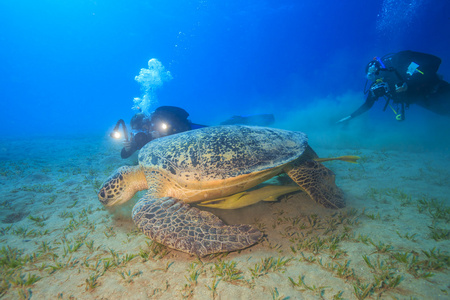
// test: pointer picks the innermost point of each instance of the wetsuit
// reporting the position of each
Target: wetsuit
(424, 87)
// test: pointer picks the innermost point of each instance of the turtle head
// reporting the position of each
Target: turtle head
(122, 185)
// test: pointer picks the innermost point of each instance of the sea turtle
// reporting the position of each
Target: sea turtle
(210, 163)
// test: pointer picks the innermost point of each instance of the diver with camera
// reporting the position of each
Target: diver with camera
(402, 79)
(168, 120)
(165, 120)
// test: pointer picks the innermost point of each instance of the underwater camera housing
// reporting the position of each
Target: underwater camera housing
(379, 89)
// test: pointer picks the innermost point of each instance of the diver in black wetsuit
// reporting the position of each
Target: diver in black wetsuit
(165, 120)
(406, 78)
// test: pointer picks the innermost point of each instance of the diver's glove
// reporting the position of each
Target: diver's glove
(344, 119)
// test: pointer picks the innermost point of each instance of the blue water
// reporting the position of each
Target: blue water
(68, 67)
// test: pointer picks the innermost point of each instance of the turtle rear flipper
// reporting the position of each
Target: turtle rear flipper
(171, 222)
(318, 181)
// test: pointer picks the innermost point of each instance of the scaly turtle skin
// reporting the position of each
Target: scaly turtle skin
(210, 163)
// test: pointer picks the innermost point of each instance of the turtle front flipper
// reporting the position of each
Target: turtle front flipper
(318, 181)
(171, 222)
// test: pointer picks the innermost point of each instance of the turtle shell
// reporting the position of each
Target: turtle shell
(222, 152)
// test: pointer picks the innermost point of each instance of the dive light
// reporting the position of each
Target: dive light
(115, 134)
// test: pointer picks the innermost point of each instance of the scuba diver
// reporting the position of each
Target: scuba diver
(168, 120)
(165, 120)
(406, 78)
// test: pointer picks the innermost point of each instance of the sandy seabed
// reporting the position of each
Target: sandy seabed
(58, 242)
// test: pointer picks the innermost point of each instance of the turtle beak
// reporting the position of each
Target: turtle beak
(102, 196)
(122, 185)
(111, 191)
